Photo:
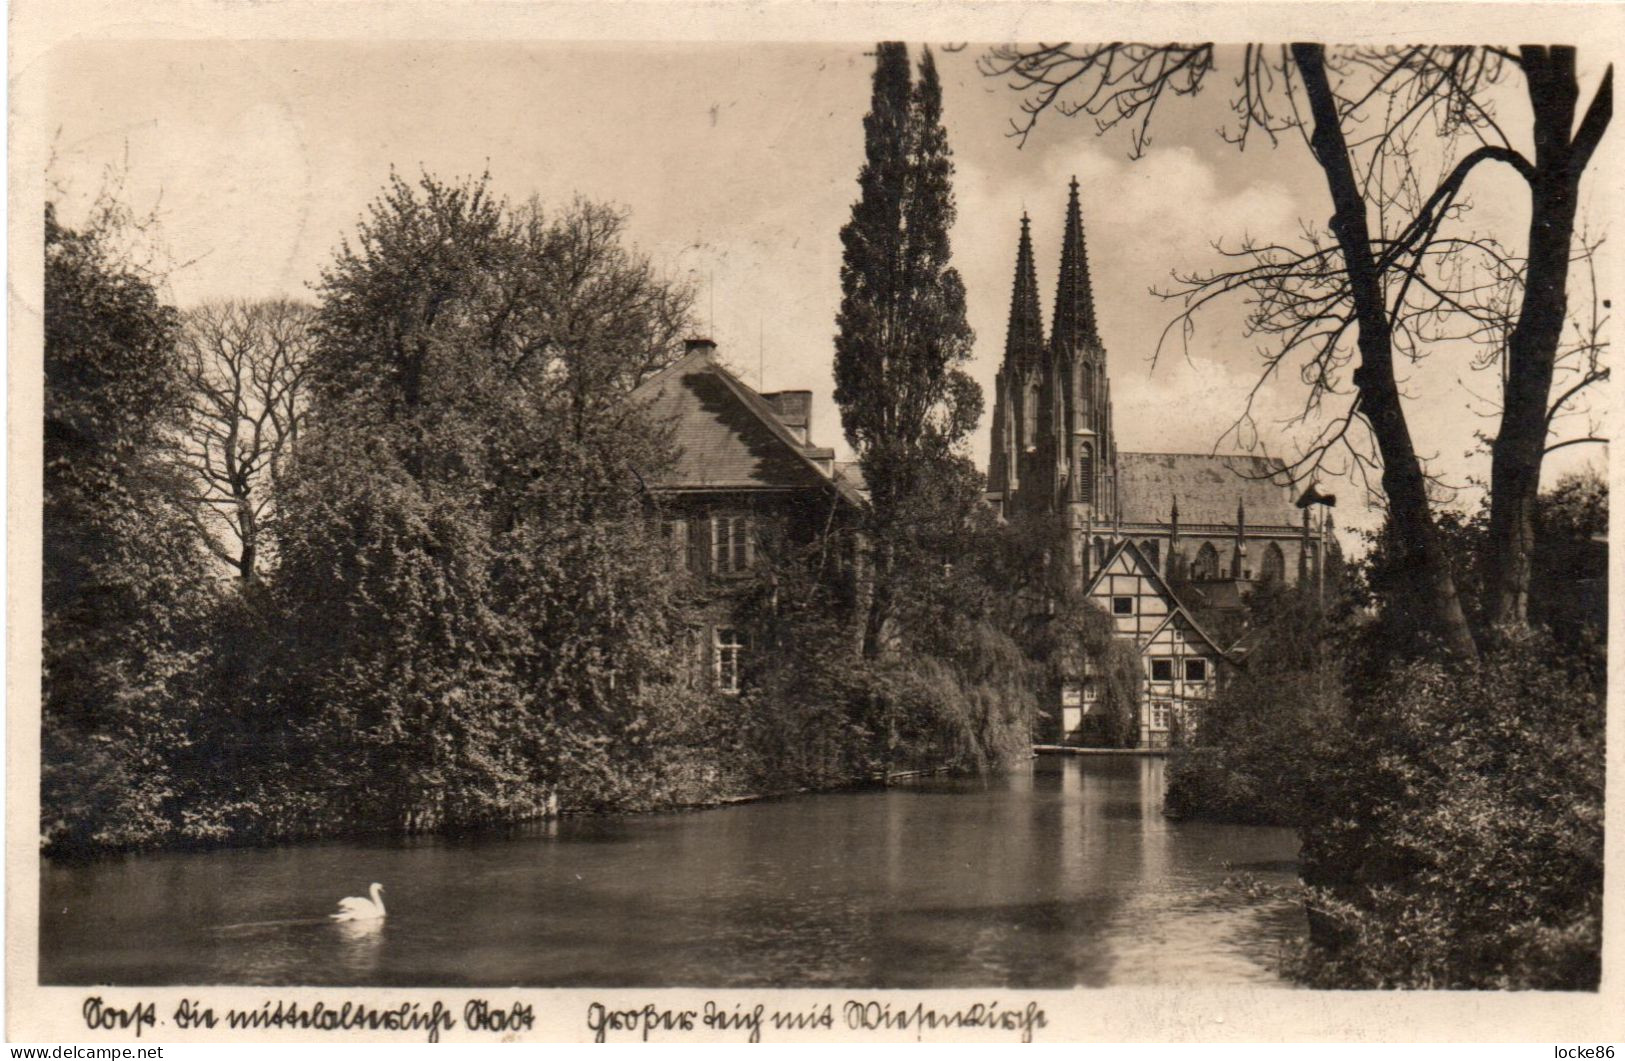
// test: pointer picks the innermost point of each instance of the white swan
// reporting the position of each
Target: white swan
(356, 908)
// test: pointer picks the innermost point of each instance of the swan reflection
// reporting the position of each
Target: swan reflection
(361, 944)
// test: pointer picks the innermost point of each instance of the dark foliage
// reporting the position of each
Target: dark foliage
(468, 620)
(124, 600)
(1451, 813)
(481, 616)
(1268, 736)
(1458, 841)
(1568, 588)
(901, 337)
(1568, 585)
(958, 690)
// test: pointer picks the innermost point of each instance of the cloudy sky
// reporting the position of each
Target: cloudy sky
(738, 165)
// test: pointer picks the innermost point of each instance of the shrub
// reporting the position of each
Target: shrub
(1459, 842)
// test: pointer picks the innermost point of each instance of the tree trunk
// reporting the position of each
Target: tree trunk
(1520, 446)
(1402, 479)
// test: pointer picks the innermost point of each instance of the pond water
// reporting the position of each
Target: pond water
(1061, 873)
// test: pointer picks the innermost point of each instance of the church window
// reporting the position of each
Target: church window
(1153, 552)
(728, 648)
(1207, 563)
(1274, 563)
(1029, 417)
(1162, 670)
(1196, 670)
(1122, 605)
(1086, 473)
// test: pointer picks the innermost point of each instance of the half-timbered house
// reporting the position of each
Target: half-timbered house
(1180, 663)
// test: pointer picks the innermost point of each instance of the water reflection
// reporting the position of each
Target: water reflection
(360, 947)
(1059, 874)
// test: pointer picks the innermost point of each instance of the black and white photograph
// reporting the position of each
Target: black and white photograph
(885, 508)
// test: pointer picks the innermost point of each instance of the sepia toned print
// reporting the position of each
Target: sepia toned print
(693, 555)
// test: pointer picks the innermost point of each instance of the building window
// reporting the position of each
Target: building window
(1162, 670)
(732, 549)
(674, 534)
(1159, 714)
(1122, 605)
(1196, 670)
(728, 649)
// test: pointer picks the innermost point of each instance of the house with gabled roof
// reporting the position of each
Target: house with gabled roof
(747, 486)
(1181, 663)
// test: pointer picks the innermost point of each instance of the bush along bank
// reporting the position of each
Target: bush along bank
(1459, 843)
(1450, 811)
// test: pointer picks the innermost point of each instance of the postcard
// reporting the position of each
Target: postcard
(954, 522)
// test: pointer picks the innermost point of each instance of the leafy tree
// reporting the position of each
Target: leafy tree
(959, 692)
(1568, 584)
(901, 335)
(1263, 743)
(1568, 589)
(480, 617)
(123, 601)
(1395, 270)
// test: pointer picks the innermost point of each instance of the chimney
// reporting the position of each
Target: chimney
(794, 410)
(709, 346)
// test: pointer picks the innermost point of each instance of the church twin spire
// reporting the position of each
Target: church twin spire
(1052, 441)
(1024, 341)
(1074, 321)
(1074, 295)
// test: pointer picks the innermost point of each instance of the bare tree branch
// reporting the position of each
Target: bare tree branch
(245, 366)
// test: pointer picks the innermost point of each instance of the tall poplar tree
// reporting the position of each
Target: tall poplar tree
(901, 337)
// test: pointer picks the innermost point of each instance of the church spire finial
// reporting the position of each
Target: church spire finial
(1024, 342)
(1074, 295)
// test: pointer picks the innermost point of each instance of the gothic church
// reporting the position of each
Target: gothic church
(1161, 539)
(1197, 518)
